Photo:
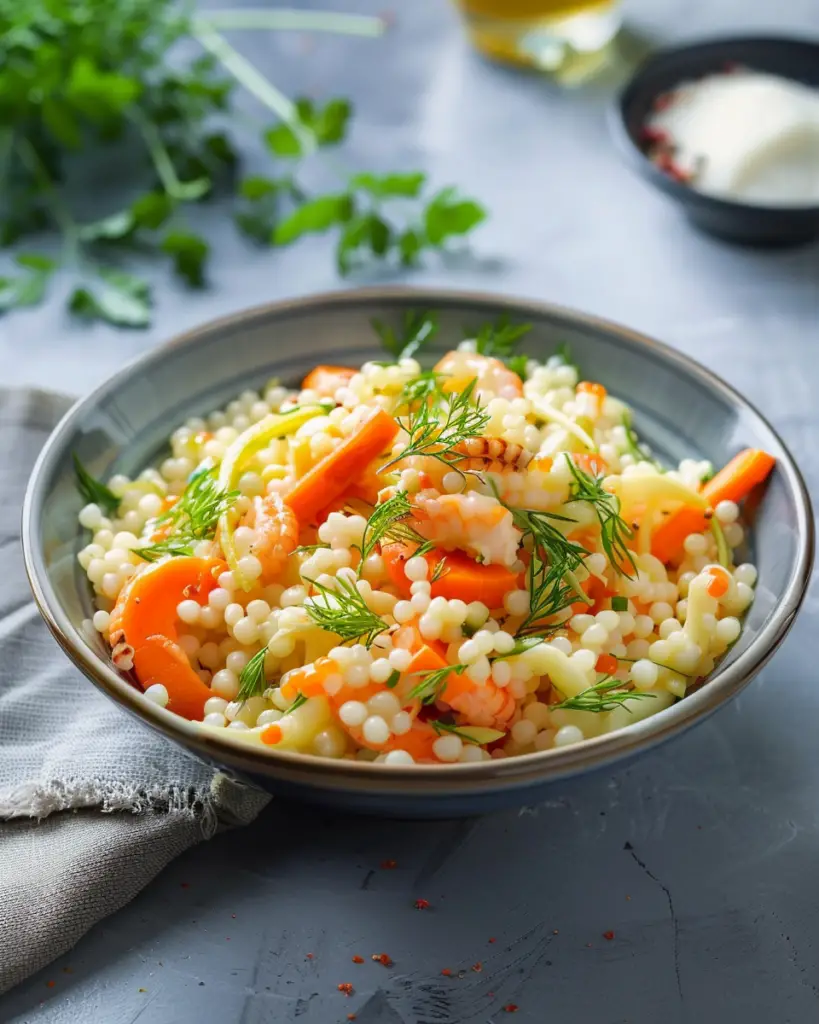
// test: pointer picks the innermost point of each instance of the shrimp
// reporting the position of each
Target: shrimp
(483, 704)
(472, 522)
(276, 532)
(492, 378)
(144, 628)
(491, 455)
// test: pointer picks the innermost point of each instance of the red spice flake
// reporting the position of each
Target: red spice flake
(446, 972)
(309, 956)
(184, 885)
(510, 1008)
(478, 967)
(653, 136)
(384, 959)
(51, 984)
(350, 1016)
(358, 959)
(346, 988)
(422, 904)
(389, 865)
(608, 935)
(493, 940)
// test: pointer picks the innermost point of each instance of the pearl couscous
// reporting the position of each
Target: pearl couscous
(400, 565)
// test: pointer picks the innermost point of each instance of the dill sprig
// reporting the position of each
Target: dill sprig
(439, 570)
(419, 328)
(526, 643)
(433, 683)
(614, 530)
(605, 695)
(421, 390)
(478, 735)
(438, 432)
(252, 678)
(388, 522)
(193, 518)
(297, 703)
(93, 491)
(499, 339)
(344, 612)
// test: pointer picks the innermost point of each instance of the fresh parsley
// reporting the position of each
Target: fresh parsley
(140, 85)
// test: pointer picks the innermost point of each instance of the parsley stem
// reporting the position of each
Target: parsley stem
(296, 21)
(62, 215)
(159, 154)
(252, 79)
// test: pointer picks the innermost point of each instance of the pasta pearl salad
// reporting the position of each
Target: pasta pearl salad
(419, 566)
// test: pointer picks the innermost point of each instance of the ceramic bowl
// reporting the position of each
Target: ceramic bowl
(680, 408)
(744, 223)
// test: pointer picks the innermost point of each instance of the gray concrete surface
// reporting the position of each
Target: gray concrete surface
(701, 858)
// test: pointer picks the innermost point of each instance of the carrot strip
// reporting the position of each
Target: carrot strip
(145, 618)
(326, 380)
(733, 482)
(330, 477)
(461, 576)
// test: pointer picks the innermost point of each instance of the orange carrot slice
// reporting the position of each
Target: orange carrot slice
(145, 618)
(326, 380)
(734, 482)
(461, 576)
(333, 474)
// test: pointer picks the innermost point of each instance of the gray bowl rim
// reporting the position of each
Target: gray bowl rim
(532, 768)
(631, 150)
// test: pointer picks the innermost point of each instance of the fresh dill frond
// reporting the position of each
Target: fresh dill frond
(389, 522)
(605, 695)
(476, 734)
(614, 530)
(252, 679)
(433, 683)
(93, 491)
(309, 549)
(439, 571)
(525, 643)
(437, 433)
(552, 580)
(419, 328)
(344, 612)
(193, 518)
(297, 703)
(420, 390)
(500, 339)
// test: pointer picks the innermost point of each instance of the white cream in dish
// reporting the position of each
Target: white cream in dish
(741, 135)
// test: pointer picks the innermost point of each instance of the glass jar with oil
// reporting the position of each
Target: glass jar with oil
(546, 34)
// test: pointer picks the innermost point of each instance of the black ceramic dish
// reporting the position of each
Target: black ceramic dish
(737, 222)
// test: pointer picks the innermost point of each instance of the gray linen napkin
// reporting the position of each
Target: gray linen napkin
(92, 804)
